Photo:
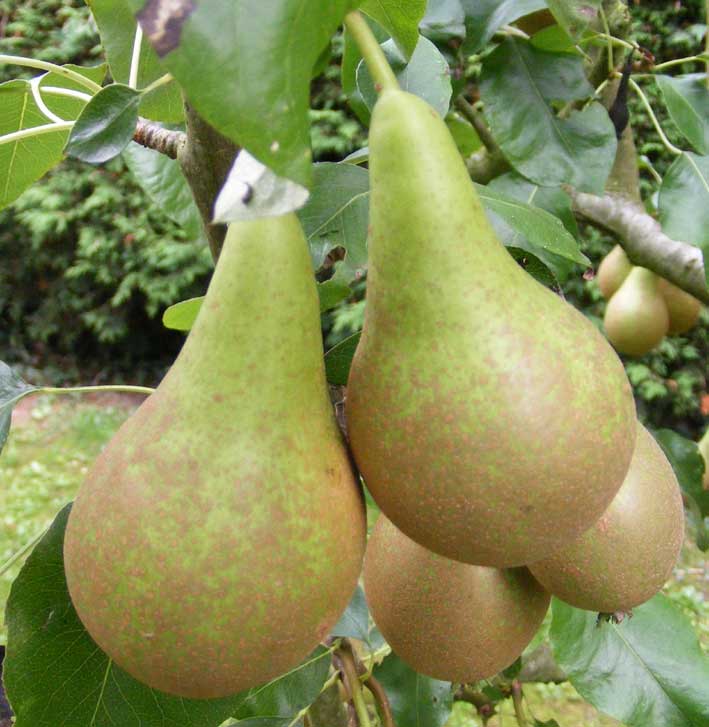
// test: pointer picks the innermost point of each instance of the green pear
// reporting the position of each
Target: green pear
(684, 309)
(636, 318)
(220, 534)
(613, 270)
(478, 402)
(627, 556)
(449, 620)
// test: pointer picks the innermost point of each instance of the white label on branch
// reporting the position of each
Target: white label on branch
(252, 190)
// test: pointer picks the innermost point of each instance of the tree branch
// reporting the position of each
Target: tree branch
(154, 136)
(643, 240)
(206, 158)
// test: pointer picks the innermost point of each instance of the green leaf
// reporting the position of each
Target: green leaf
(331, 293)
(415, 699)
(354, 622)
(535, 230)
(648, 671)
(483, 18)
(55, 674)
(518, 85)
(465, 136)
(106, 125)
(687, 100)
(339, 359)
(427, 75)
(688, 465)
(684, 202)
(12, 389)
(246, 67)
(24, 161)
(181, 316)
(552, 199)
(400, 18)
(555, 39)
(575, 16)
(337, 215)
(444, 19)
(163, 181)
(117, 27)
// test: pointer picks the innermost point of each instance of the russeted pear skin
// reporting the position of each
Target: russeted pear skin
(636, 318)
(478, 401)
(449, 620)
(627, 556)
(613, 270)
(684, 309)
(220, 534)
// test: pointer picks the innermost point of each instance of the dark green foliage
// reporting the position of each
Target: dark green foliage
(89, 266)
(59, 31)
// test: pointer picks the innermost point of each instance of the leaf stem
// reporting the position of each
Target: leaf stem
(37, 95)
(89, 389)
(353, 684)
(371, 51)
(668, 144)
(52, 67)
(57, 91)
(680, 61)
(517, 704)
(706, 39)
(135, 57)
(609, 39)
(21, 552)
(157, 83)
(34, 131)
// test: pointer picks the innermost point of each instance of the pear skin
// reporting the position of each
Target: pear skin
(478, 400)
(220, 534)
(636, 318)
(613, 270)
(627, 556)
(684, 309)
(449, 620)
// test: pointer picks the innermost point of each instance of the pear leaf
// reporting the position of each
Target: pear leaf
(483, 18)
(684, 202)
(687, 100)
(400, 18)
(655, 650)
(339, 359)
(12, 389)
(181, 316)
(574, 16)
(106, 125)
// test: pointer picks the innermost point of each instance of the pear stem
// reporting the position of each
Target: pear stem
(89, 389)
(354, 686)
(517, 703)
(371, 51)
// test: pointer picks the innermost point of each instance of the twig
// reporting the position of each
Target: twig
(478, 123)
(382, 700)
(154, 136)
(351, 679)
(643, 240)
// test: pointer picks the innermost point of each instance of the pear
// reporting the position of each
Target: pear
(449, 620)
(684, 309)
(220, 534)
(612, 271)
(636, 318)
(627, 556)
(478, 401)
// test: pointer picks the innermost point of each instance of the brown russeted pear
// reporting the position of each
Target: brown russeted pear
(449, 620)
(478, 400)
(612, 271)
(627, 556)
(684, 309)
(636, 317)
(220, 534)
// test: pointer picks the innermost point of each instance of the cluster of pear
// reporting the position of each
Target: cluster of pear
(220, 534)
(642, 307)
(493, 425)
